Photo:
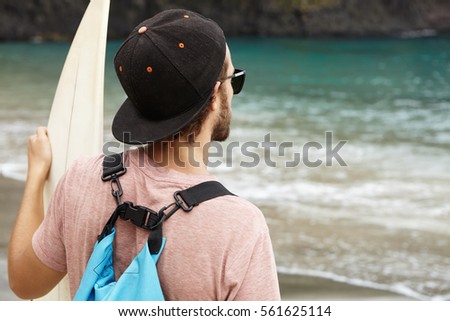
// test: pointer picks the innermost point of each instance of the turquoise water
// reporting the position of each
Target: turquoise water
(382, 221)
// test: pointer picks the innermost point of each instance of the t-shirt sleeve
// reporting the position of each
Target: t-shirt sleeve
(48, 240)
(255, 273)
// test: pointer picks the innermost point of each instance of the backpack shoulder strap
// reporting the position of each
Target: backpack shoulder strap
(199, 193)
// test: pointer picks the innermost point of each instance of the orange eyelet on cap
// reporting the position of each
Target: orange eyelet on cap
(186, 16)
(120, 68)
(149, 69)
(181, 45)
(142, 30)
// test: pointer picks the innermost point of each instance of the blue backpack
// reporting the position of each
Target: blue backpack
(140, 281)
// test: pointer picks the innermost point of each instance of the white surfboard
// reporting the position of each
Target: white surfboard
(75, 125)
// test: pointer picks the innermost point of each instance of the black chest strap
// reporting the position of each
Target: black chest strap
(145, 217)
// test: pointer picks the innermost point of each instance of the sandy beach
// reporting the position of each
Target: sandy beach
(293, 287)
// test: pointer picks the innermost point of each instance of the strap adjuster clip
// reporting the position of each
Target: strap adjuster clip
(113, 167)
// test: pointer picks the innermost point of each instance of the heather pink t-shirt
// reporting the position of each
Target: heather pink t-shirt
(221, 250)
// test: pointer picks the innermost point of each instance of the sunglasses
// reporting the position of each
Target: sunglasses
(237, 80)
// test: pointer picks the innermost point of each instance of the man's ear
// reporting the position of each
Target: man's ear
(215, 103)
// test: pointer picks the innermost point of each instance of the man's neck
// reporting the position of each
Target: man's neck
(182, 156)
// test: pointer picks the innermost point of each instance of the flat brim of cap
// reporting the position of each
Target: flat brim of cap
(131, 127)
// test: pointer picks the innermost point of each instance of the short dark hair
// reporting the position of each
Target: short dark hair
(195, 126)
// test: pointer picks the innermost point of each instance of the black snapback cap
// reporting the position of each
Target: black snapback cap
(168, 67)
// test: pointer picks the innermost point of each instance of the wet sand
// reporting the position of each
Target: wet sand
(293, 287)
(308, 288)
(10, 196)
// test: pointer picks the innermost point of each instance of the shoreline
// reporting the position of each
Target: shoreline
(293, 287)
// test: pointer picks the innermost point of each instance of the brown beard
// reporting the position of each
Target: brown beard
(221, 129)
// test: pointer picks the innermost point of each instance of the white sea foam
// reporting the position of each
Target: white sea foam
(14, 171)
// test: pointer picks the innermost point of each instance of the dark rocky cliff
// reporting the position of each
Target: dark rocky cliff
(58, 19)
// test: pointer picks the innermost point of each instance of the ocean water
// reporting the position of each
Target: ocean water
(355, 184)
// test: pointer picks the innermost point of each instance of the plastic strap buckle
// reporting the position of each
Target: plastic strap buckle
(140, 216)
